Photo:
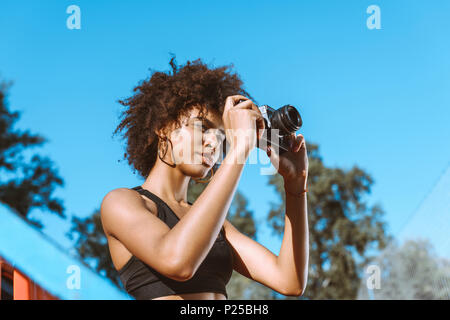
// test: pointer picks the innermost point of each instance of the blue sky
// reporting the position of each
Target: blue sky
(378, 99)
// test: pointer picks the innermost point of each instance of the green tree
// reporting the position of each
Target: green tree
(342, 228)
(92, 246)
(410, 271)
(25, 184)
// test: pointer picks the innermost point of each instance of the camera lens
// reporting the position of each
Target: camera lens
(286, 119)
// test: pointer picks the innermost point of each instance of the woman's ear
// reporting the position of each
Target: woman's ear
(166, 131)
(162, 134)
(158, 137)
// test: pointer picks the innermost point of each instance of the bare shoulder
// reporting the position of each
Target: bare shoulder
(126, 217)
(117, 198)
(118, 205)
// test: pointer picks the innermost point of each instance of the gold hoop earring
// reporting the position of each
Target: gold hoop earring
(165, 152)
(205, 181)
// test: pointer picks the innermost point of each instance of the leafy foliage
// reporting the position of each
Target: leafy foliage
(410, 271)
(92, 245)
(342, 228)
(32, 182)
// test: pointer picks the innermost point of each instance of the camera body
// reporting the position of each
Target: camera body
(279, 125)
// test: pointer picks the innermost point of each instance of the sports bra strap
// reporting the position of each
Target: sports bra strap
(151, 195)
(148, 194)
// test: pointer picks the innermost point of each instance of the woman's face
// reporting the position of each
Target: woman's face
(197, 144)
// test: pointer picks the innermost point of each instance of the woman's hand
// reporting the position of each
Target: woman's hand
(292, 164)
(242, 119)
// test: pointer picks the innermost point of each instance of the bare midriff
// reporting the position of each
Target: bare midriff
(194, 296)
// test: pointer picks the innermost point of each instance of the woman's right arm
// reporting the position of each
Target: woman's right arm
(178, 252)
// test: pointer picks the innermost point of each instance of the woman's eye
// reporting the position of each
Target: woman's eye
(202, 127)
(198, 126)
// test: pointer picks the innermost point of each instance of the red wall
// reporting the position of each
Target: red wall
(24, 287)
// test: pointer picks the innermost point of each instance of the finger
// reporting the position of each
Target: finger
(295, 142)
(259, 119)
(247, 104)
(298, 142)
(292, 142)
(255, 107)
(301, 142)
(260, 124)
(230, 101)
(236, 98)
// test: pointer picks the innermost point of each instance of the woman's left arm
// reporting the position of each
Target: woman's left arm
(294, 252)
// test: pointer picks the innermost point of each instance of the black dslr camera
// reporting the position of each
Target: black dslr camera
(280, 124)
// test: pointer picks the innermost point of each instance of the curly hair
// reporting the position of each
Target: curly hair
(164, 98)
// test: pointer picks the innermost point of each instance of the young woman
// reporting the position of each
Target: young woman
(167, 248)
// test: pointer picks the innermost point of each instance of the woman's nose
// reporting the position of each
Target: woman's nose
(211, 140)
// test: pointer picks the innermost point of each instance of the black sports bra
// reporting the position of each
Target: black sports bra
(143, 282)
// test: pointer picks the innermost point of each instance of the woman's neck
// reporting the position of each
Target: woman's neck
(167, 183)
